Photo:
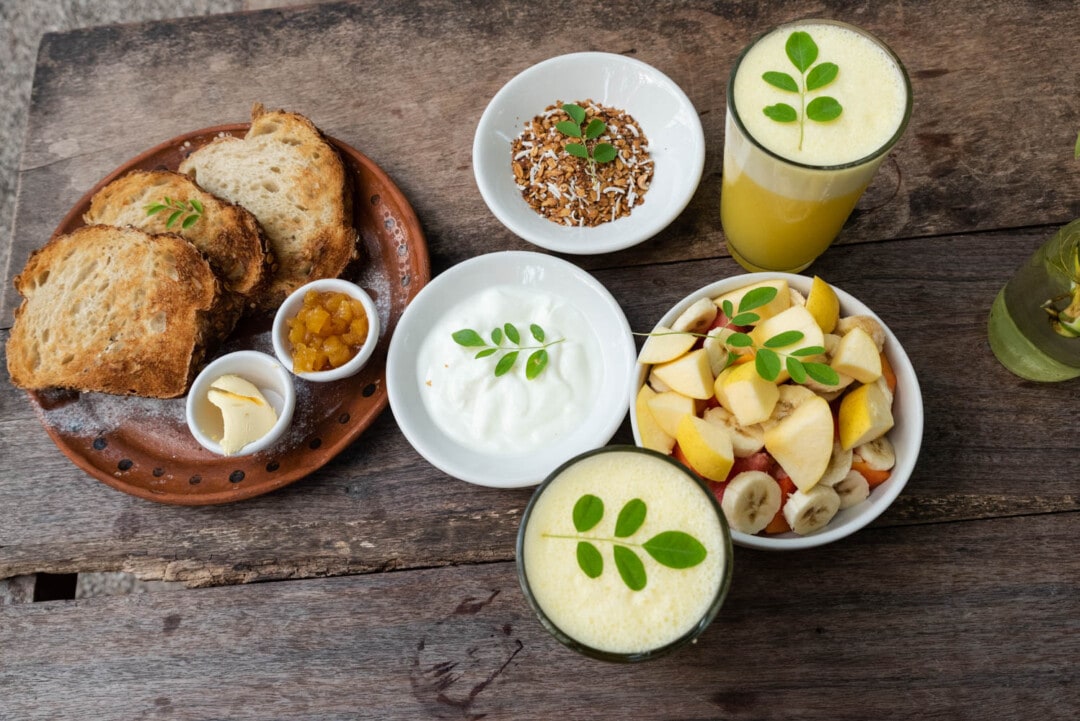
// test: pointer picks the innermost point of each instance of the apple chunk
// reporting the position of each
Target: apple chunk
(781, 302)
(707, 447)
(802, 442)
(664, 345)
(690, 375)
(652, 435)
(865, 414)
(745, 394)
(669, 407)
(857, 355)
(795, 318)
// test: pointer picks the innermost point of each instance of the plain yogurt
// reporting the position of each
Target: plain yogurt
(510, 414)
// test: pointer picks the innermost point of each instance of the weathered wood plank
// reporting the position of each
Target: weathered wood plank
(990, 449)
(406, 83)
(950, 621)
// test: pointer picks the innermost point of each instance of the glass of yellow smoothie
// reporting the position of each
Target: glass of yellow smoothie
(623, 554)
(813, 108)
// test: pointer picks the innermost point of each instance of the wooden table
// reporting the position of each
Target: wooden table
(380, 588)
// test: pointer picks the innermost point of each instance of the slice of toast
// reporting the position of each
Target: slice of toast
(294, 182)
(228, 234)
(114, 310)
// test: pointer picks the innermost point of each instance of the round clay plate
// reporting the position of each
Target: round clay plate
(143, 447)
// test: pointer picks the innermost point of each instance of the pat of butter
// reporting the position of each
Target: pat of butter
(246, 414)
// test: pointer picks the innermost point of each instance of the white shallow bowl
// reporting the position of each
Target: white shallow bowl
(292, 305)
(264, 371)
(546, 274)
(906, 435)
(661, 108)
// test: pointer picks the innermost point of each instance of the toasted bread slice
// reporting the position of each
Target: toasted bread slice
(294, 182)
(228, 234)
(114, 310)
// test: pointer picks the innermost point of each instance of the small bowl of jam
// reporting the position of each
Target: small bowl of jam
(326, 330)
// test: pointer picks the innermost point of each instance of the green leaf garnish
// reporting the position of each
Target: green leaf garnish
(767, 363)
(781, 80)
(822, 373)
(534, 366)
(506, 363)
(576, 112)
(631, 569)
(589, 559)
(757, 298)
(630, 518)
(674, 549)
(782, 113)
(821, 76)
(468, 338)
(784, 339)
(187, 213)
(567, 127)
(588, 511)
(823, 109)
(802, 51)
(602, 153)
(595, 129)
(796, 369)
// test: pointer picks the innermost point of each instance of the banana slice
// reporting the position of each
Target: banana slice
(809, 511)
(867, 323)
(716, 349)
(877, 454)
(792, 395)
(745, 440)
(839, 465)
(797, 298)
(853, 488)
(751, 500)
(697, 318)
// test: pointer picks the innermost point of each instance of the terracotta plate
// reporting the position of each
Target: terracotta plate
(143, 446)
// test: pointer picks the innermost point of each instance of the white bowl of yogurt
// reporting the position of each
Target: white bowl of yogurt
(507, 365)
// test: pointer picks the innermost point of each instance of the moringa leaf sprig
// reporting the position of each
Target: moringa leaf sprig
(769, 357)
(802, 51)
(186, 212)
(576, 128)
(534, 365)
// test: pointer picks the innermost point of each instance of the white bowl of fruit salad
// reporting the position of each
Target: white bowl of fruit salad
(790, 397)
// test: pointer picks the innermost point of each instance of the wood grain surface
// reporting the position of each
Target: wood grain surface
(989, 145)
(948, 621)
(390, 588)
(989, 449)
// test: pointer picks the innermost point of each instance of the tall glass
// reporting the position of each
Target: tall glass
(813, 108)
(1034, 326)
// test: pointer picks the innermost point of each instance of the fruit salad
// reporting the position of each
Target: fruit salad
(778, 402)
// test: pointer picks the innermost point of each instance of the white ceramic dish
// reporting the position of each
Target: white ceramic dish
(262, 370)
(291, 307)
(906, 435)
(545, 274)
(661, 108)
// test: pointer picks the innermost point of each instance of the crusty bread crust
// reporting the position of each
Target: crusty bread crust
(114, 310)
(228, 234)
(294, 182)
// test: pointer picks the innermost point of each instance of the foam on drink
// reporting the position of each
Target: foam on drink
(603, 613)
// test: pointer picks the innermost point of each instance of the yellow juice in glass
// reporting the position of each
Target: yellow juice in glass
(791, 180)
